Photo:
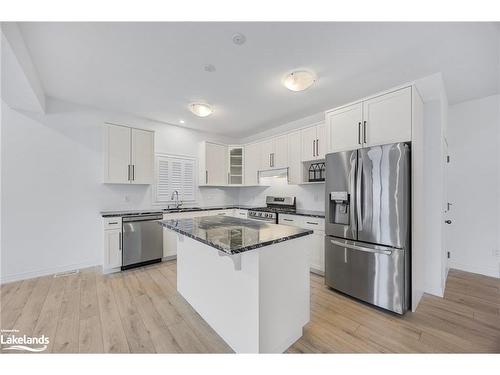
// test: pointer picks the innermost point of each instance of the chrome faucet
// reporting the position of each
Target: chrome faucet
(177, 202)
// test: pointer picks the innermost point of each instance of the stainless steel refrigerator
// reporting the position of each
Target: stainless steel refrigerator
(367, 225)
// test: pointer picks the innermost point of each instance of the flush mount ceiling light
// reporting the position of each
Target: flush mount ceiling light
(299, 80)
(200, 109)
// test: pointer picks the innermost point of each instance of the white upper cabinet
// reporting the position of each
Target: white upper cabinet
(142, 157)
(321, 142)
(213, 164)
(294, 158)
(387, 118)
(280, 156)
(252, 163)
(380, 120)
(128, 155)
(345, 128)
(313, 142)
(266, 157)
(274, 153)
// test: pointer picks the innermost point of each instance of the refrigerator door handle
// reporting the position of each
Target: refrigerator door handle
(359, 210)
(385, 250)
(352, 182)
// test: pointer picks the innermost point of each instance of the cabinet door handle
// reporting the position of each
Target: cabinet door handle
(133, 172)
(317, 147)
(128, 173)
(113, 222)
(120, 242)
(364, 131)
(314, 147)
(287, 220)
(228, 179)
(206, 177)
(310, 222)
(359, 132)
(273, 158)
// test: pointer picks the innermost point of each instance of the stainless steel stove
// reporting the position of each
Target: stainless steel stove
(274, 205)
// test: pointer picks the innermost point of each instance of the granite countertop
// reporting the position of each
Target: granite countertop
(234, 235)
(112, 213)
(115, 213)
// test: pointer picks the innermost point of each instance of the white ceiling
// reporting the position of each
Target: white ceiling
(155, 69)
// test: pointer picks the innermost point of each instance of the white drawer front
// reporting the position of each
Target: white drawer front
(112, 223)
(293, 220)
(313, 223)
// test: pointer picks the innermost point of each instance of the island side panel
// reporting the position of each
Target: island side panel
(227, 299)
(284, 290)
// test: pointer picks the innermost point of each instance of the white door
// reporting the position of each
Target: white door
(320, 141)
(447, 223)
(344, 128)
(142, 156)
(387, 118)
(267, 150)
(308, 136)
(294, 158)
(117, 154)
(216, 165)
(280, 155)
(252, 163)
(112, 248)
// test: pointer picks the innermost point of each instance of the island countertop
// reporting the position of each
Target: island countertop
(233, 235)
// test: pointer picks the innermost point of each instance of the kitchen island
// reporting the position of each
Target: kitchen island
(249, 280)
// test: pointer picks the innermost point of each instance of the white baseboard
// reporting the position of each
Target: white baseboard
(493, 271)
(44, 272)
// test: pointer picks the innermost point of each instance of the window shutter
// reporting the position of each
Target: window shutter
(174, 173)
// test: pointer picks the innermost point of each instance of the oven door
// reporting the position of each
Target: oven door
(372, 273)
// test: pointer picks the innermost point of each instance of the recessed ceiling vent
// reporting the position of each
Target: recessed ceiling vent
(239, 39)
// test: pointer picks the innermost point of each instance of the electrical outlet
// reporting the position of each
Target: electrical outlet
(449, 255)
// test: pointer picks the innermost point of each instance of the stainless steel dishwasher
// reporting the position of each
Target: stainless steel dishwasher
(142, 240)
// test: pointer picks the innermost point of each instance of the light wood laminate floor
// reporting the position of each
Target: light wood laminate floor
(140, 311)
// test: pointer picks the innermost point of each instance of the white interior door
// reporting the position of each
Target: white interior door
(142, 156)
(387, 118)
(117, 154)
(280, 156)
(447, 210)
(344, 128)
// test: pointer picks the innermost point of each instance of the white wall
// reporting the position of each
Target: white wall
(474, 185)
(52, 190)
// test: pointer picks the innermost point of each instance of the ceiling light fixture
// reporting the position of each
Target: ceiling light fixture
(299, 80)
(201, 109)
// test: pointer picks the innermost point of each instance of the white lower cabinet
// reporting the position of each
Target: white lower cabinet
(317, 239)
(112, 244)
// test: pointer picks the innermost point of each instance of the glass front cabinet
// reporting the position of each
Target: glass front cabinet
(235, 172)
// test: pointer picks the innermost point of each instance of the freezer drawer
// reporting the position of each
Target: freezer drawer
(372, 273)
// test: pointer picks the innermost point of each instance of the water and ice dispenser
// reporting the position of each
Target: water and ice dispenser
(339, 207)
